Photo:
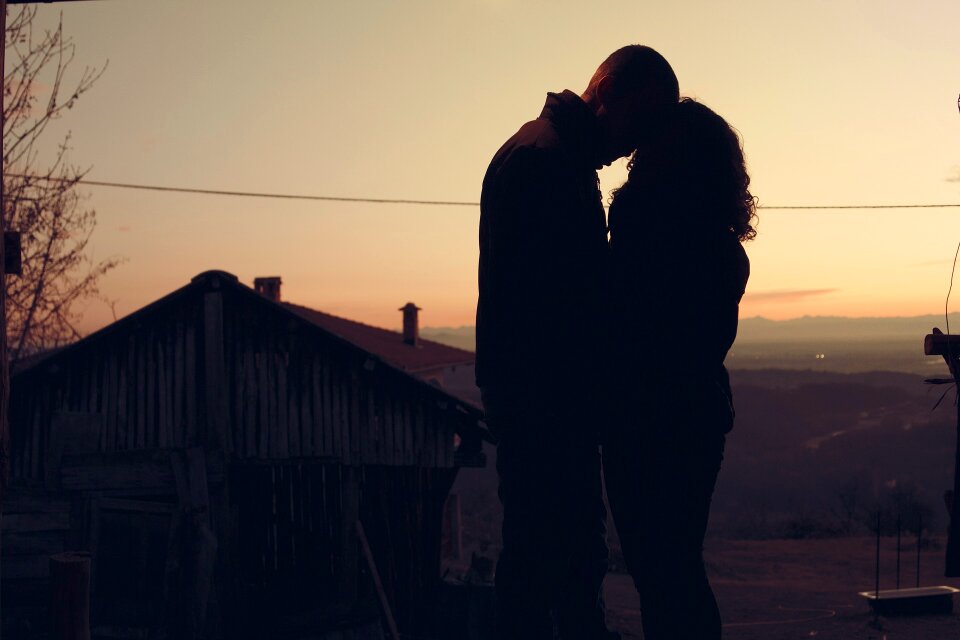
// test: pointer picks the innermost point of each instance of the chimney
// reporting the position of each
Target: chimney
(411, 324)
(269, 287)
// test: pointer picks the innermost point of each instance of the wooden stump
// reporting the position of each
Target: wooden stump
(70, 595)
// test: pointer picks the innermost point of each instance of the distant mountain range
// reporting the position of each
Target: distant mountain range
(762, 330)
(841, 328)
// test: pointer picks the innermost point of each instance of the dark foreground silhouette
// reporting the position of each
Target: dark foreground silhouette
(676, 229)
(543, 262)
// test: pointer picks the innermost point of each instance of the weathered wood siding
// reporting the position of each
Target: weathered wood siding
(296, 393)
(140, 381)
(213, 365)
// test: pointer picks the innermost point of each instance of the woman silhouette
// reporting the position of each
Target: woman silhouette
(678, 273)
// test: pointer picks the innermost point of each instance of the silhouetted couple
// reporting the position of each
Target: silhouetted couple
(583, 341)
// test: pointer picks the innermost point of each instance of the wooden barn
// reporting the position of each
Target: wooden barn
(214, 451)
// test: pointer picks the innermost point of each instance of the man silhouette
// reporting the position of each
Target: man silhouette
(540, 332)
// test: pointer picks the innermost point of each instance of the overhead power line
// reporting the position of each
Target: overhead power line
(248, 194)
(447, 203)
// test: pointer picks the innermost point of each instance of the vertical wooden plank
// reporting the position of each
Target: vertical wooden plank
(293, 415)
(179, 390)
(346, 408)
(405, 419)
(430, 439)
(83, 373)
(170, 358)
(163, 426)
(272, 563)
(432, 433)
(249, 399)
(305, 392)
(422, 446)
(271, 395)
(358, 405)
(264, 358)
(375, 428)
(348, 552)
(123, 401)
(191, 380)
(150, 390)
(443, 427)
(351, 437)
(40, 422)
(141, 394)
(216, 435)
(360, 427)
(130, 439)
(283, 418)
(93, 386)
(331, 436)
(390, 431)
(301, 546)
(284, 533)
(237, 362)
(341, 443)
(108, 432)
(103, 397)
(23, 460)
(316, 408)
(452, 452)
(395, 414)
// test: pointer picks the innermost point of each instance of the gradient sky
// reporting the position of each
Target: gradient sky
(838, 102)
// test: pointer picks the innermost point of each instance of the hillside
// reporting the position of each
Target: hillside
(818, 343)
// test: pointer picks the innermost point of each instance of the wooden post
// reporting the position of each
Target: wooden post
(216, 440)
(350, 514)
(953, 534)
(948, 346)
(377, 583)
(454, 526)
(4, 371)
(215, 402)
(70, 595)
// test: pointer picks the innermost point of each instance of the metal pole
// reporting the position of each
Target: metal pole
(919, 540)
(876, 588)
(898, 551)
(953, 537)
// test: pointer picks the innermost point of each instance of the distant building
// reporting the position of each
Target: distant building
(214, 450)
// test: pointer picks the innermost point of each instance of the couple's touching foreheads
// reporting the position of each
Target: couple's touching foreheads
(600, 348)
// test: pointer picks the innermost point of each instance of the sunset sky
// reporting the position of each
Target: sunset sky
(838, 102)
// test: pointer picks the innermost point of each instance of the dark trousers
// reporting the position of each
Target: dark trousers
(554, 556)
(660, 472)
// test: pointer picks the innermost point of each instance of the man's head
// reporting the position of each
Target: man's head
(629, 92)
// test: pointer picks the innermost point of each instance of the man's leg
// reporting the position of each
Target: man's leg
(525, 586)
(535, 550)
(581, 610)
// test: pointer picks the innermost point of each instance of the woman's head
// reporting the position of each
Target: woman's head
(695, 167)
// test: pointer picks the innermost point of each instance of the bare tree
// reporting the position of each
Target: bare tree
(41, 196)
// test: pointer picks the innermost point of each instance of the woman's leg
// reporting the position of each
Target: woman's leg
(660, 484)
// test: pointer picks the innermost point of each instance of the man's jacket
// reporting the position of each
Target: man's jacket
(543, 255)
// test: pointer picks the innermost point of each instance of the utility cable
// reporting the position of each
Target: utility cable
(448, 203)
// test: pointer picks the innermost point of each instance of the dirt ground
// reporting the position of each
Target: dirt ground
(782, 589)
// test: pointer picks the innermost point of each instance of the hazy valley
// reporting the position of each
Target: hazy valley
(820, 443)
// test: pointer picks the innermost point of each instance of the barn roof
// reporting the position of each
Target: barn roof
(372, 341)
(387, 344)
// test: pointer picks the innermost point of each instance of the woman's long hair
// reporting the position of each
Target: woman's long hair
(694, 168)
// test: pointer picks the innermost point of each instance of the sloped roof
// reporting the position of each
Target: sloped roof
(387, 344)
(354, 335)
